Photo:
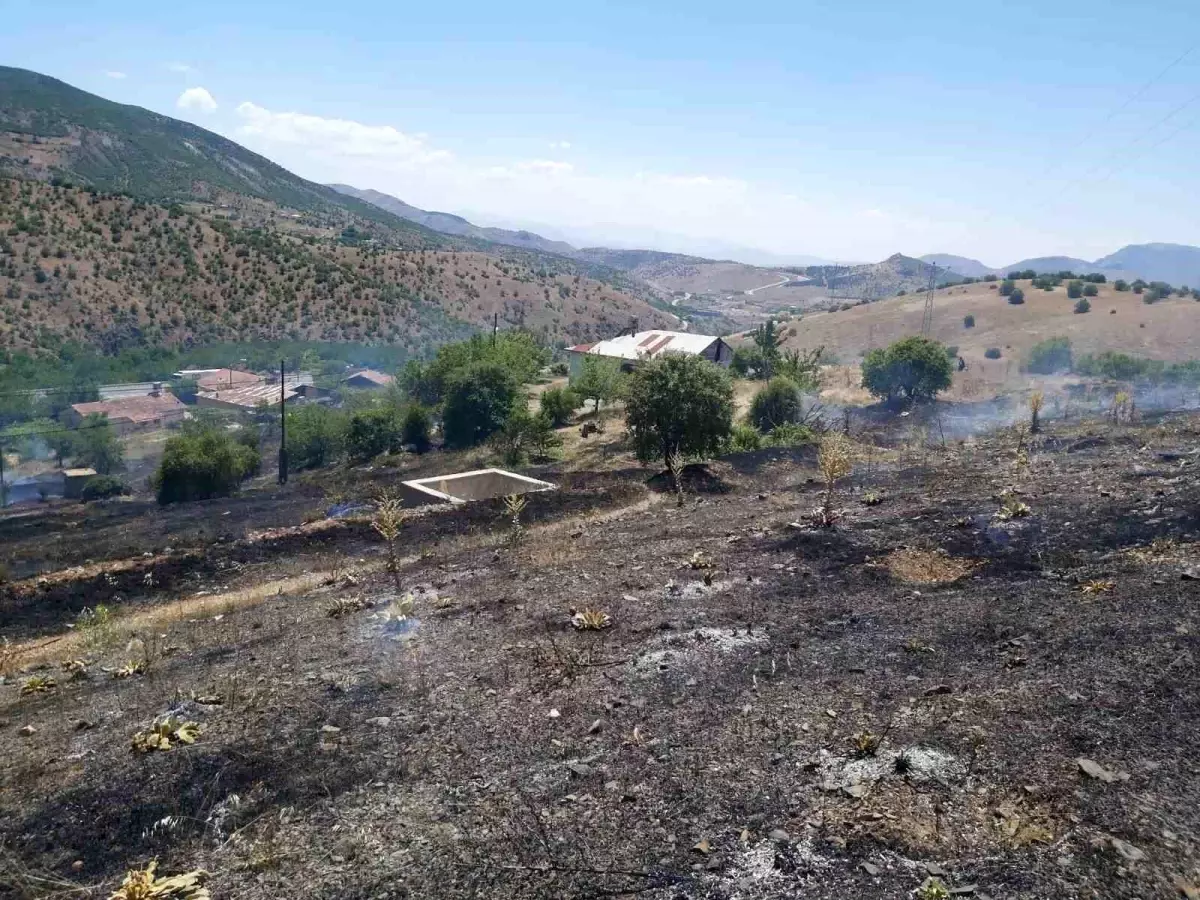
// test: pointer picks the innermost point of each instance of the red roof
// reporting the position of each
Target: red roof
(372, 376)
(135, 409)
(224, 379)
(582, 348)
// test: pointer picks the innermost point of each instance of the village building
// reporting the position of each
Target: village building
(631, 349)
(368, 379)
(130, 414)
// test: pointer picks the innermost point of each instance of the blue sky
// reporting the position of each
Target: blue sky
(840, 130)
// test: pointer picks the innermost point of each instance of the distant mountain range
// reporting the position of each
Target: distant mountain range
(1176, 264)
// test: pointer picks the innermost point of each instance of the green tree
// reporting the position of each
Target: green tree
(778, 403)
(416, 428)
(801, 367)
(204, 462)
(315, 435)
(1007, 287)
(478, 403)
(748, 362)
(1017, 297)
(968, 321)
(1120, 285)
(1090, 289)
(95, 444)
(523, 433)
(678, 404)
(371, 431)
(559, 404)
(1074, 289)
(599, 380)
(1083, 305)
(911, 370)
(1049, 356)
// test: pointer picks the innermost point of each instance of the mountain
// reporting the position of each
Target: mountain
(1176, 264)
(117, 272)
(49, 129)
(873, 281)
(962, 265)
(1052, 264)
(447, 223)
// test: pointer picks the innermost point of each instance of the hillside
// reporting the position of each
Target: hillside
(960, 265)
(114, 271)
(1175, 264)
(49, 129)
(1167, 330)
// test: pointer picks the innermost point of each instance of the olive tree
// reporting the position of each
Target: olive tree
(678, 404)
(911, 370)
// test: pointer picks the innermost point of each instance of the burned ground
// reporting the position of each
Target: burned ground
(776, 710)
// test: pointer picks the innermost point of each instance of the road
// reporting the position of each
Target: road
(784, 280)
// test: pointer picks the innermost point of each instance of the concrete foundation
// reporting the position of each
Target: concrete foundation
(463, 487)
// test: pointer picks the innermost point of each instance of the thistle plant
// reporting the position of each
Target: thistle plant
(388, 522)
(834, 460)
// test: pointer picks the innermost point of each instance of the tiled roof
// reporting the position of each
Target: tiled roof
(135, 409)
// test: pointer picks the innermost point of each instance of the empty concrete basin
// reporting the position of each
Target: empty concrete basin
(462, 487)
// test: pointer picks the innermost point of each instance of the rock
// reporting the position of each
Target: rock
(858, 789)
(1127, 850)
(934, 869)
(1093, 769)
(380, 721)
(27, 731)
(330, 729)
(1190, 575)
(554, 714)
(580, 769)
(1187, 890)
(779, 836)
(595, 727)
(870, 868)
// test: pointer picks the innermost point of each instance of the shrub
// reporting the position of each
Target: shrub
(205, 461)
(523, 433)
(314, 436)
(1096, 278)
(1074, 289)
(560, 369)
(748, 362)
(372, 431)
(103, 486)
(95, 444)
(1082, 305)
(416, 426)
(990, 277)
(776, 404)
(913, 369)
(968, 321)
(744, 438)
(1007, 287)
(559, 404)
(992, 353)
(1017, 297)
(678, 404)
(478, 403)
(1121, 285)
(791, 435)
(1049, 356)
(1090, 289)
(599, 380)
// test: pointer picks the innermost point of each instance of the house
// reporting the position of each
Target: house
(248, 398)
(631, 349)
(130, 414)
(368, 378)
(220, 379)
(74, 480)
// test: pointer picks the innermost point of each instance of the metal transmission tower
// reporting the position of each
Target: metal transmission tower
(927, 319)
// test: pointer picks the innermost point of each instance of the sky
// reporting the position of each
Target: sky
(837, 130)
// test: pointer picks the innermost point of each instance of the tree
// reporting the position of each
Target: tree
(599, 380)
(558, 404)
(478, 403)
(314, 436)
(1083, 305)
(1121, 285)
(778, 403)
(992, 353)
(1017, 297)
(801, 367)
(522, 433)
(205, 461)
(1090, 289)
(1049, 356)
(767, 339)
(416, 426)
(911, 370)
(95, 444)
(968, 321)
(678, 404)
(1007, 287)
(1074, 289)
(748, 362)
(371, 431)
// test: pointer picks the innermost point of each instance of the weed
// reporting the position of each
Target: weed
(834, 460)
(38, 684)
(398, 611)
(131, 668)
(871, 498)
(76, 669)
(700, 560)
(388, 522)
(916, 647)
(514, 505)
(932, 889)
(144, 884)
(1036, 401)
(345, 606)
(866, 744)
(902, 765)
(675, 467)
(165, 734)
(1096, 586)
(1012, 508)
(97, 627)
(591, 620)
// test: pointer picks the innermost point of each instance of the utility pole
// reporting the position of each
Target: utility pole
(495, 326)
(283, 460)
(3, 486)
(927, 317)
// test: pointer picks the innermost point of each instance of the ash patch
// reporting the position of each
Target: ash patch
(694, 590)
(914, 763)
(693, 646)
(770, 870)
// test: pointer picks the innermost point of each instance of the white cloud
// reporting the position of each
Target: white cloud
(181, 68)
(560, 145)
(549, 166)
(117, 75)
(197, 98)
(338, 137)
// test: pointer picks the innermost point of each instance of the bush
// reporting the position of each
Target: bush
(416, 426)
(679, 404)
(95, 444)
(1007, 287)
(1120, 285)
(968, 321)
(1096, 278)
(560, 369)
(776, 404)
(314, 436)
(913, 369)
(478, 403)
(103, 486)
(1017, 297)
(744, 438)
(559, 405)
(990, 277)
(992, 353)
(523, 433)
(1050, 356)
(600, 380)
(1074, 289)
(1090, 290)
(790, 436)
(372, 431)
(748, 362)
(1082, 305)
(203, 462)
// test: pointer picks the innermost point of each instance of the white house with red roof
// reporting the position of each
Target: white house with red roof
(631, 349)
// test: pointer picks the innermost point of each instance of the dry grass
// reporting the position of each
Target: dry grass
(927, 567)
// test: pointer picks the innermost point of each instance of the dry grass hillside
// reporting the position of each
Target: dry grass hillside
(115, 272)
(1167, 330)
